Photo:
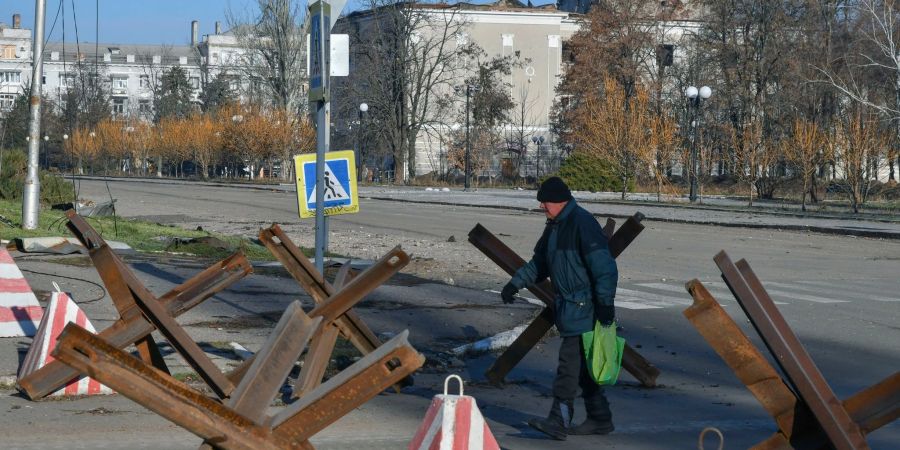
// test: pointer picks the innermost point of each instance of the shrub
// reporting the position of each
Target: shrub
(585, 173)
(54, 189)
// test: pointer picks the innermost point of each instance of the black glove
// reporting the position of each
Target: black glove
(508, 294)
(606, 314)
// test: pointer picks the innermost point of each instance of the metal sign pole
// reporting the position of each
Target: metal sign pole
(323, 124)
(31, 203)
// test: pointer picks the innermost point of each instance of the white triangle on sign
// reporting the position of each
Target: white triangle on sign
(333, 188)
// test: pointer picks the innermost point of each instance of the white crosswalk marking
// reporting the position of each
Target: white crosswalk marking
(659, 295)
(850, 290)
(669, 300)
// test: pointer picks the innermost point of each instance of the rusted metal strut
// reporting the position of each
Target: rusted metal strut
(510, 262)
(132, 327)
(333, 309)
(239, 424)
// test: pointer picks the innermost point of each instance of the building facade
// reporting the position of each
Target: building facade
(129, 71)
(532, 35)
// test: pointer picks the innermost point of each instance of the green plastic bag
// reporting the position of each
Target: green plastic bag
(603, 353)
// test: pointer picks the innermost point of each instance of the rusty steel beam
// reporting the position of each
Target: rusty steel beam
(83, 231)
(125, 332)
(203, 416)
(363, 285)
(273, 363)
(871, 408)
(609, 228)
(343, 276)
(520, 347)
(316, 362)
(339, 304)
(750, 366)
(510, 262)
(156, 313)
(297, 264)
(123, 300)
(346, 391)
(626, 234)
(791, 356)
(876, 406)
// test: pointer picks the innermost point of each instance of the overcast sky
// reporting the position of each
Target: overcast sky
(136, 21)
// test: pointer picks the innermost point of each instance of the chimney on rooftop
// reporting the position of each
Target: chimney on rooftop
(218, 27)
(17, 21)
(195, 32)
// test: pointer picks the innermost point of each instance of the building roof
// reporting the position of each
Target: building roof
(118, 53)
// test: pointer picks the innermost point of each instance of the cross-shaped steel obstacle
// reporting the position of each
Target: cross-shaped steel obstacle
(510, 262)
(806, 410)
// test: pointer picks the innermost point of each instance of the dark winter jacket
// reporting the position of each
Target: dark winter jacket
(574, 253)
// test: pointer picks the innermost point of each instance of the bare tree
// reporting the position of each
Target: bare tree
(869, 71)
(275, 58)
(409, 57)
(521, 128)
(804, 151)
(858, 143)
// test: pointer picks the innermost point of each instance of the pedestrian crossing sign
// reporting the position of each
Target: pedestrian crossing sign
(340, 184)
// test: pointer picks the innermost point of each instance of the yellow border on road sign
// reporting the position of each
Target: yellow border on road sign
(304, 211)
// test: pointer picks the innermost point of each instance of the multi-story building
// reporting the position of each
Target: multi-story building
(507, 28)
(130, 70)
(15, 61)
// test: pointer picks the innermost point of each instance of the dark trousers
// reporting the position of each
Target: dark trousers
(572, 373)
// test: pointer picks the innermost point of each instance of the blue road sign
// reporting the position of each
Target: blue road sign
(340, 184)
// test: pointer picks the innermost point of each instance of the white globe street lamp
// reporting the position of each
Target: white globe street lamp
(695, 97)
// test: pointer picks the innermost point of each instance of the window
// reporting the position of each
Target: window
(66, 80)
(665, 55)
(8, 51)
(144, 107)
(10, 77)
(118, 106)
(145, 81)
(7, 101)
(120, 83)
(195, 82)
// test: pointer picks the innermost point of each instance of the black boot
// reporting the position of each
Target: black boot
(592, 426)
(557, 422)
(599, 417)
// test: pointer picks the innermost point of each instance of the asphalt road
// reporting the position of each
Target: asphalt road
(840, 294)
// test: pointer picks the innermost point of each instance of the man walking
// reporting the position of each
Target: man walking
(573, 252)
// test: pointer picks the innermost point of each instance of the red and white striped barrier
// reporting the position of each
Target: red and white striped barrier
(60, 312)
(453, 422)
(20, 311)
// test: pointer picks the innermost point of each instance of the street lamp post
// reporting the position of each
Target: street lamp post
(469, 90)
(695, 97)
(538, 141)
(46, 152)
(360, 135)
(65, 142)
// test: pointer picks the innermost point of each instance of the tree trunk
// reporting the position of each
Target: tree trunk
(803, 195)
(750, 195)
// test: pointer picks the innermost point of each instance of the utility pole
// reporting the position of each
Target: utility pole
(31, 203)
(320, 39)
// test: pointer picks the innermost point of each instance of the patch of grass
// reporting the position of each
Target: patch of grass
(140, 235)
(186, 377)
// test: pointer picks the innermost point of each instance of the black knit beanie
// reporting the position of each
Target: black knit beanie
(554, 190)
